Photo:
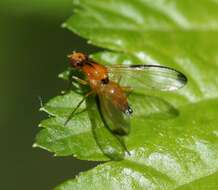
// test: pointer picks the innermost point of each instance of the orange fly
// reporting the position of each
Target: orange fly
(111, 85)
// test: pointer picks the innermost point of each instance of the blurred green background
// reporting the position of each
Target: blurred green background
(33, 49)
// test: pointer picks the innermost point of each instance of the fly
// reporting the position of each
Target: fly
(112, 84)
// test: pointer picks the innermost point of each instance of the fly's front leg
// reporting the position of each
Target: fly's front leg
(79, 80)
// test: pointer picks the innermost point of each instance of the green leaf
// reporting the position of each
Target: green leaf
(173, 142)
(208, 182)
(75, 138)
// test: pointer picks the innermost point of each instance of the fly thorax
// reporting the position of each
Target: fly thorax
(95, 71)
(95, 84)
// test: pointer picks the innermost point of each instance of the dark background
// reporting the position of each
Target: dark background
(33, 49)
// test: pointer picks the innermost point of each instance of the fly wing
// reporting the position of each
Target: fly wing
(148, 77)
(114, 118)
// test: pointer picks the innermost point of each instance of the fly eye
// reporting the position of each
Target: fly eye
(105, 81)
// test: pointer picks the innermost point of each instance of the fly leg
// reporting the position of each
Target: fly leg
(69, 83)
(119, 79)
(79, 80)
(71, 78)
(127, 90)
(78, 105)
(122, 142)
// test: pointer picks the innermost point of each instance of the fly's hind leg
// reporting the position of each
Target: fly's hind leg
(127, 90)
(78, 105)
(122, 142)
